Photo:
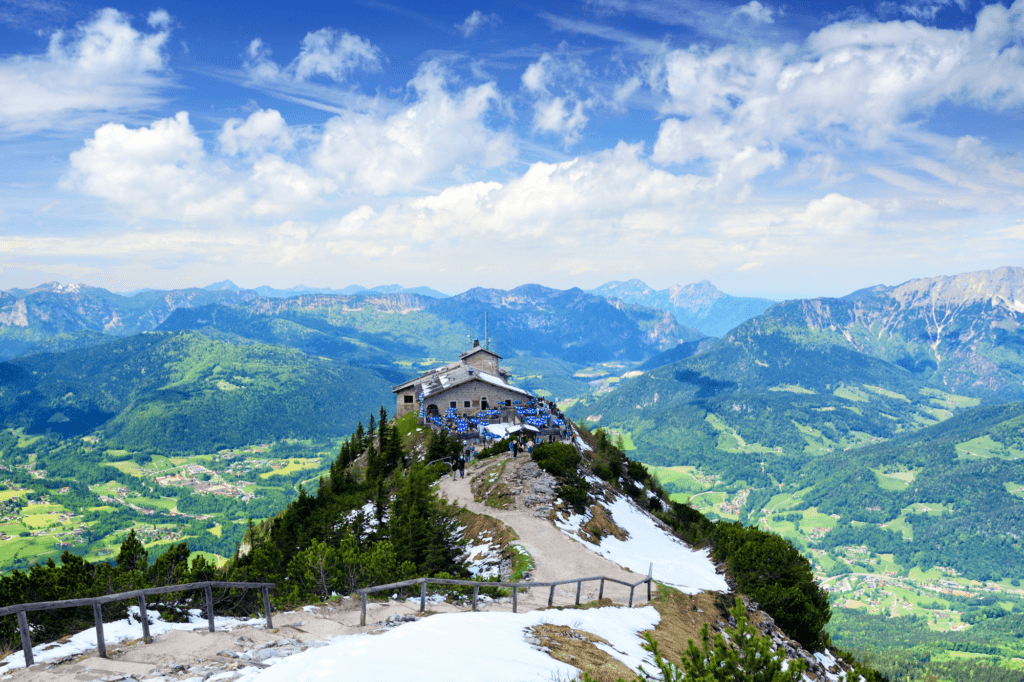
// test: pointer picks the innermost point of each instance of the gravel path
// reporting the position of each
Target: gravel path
(556, 556)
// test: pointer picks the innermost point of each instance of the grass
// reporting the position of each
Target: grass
(11, 494)
(984, 447)
(791, 388)
(896, 481)
(128, 467)
(1015, 489)
(850, 393)
(878, 390)
(293, 466)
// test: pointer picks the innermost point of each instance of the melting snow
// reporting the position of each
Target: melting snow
(675, 563)
(465, 647)
(120, 631)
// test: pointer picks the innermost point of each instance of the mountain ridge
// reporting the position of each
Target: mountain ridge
(699, 305)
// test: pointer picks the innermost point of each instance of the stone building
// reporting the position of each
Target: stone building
(476, 382)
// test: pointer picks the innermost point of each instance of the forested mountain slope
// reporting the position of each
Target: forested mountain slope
(187, 392)
(571, 325)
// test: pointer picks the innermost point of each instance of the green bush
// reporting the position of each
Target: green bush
(558, 459)
(746, 657)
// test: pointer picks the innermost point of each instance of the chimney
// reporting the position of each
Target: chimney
(476, 343)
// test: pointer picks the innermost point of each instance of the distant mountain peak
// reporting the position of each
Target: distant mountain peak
(224, 285)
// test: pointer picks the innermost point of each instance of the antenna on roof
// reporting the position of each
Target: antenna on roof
(487, 335)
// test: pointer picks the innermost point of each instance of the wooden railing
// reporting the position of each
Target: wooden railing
(477, 584)
(96, 602)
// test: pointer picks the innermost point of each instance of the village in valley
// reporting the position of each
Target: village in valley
(36, 525)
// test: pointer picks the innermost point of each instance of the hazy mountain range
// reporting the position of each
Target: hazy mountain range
(700, 305)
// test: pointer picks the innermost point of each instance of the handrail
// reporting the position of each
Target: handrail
(96, 602)
(477, 584)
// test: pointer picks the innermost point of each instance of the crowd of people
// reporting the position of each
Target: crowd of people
(540, 414)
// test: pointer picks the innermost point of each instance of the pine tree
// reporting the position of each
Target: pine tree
(133, 555)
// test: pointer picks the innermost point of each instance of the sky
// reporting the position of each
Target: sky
(776, 149)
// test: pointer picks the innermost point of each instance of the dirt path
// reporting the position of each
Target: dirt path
(556, 556)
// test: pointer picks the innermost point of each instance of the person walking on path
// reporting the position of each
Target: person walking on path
(462, 466)
(512, 448)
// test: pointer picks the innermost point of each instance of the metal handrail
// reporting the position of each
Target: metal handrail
(477, 584)
(96, 602)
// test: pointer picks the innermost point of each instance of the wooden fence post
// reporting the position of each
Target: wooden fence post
(423, 595)
(600, 595)
(631, 588)
(362, 613)
(266, 607)
(551, 596)
(579, 588)
(97, 614)
(209, 607)
(26, 638)
(515, 597)
(144, 619)
(476, 593)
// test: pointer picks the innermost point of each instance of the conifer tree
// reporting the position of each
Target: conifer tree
(133, 555)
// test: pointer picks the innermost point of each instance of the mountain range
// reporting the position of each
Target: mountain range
(701, 305)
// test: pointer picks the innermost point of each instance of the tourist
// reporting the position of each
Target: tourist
(462, 466)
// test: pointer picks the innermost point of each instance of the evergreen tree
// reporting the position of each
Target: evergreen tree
(133, 555)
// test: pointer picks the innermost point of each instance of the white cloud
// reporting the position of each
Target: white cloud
(162, 172)
(159, 18)
(441, 133)
(756, 12)
(103, 66)
(615, 194)
(853, 82)
(262, 130)
(475, 21)
(554, 81)
(552, 116)
(733, 160)
(323, 53)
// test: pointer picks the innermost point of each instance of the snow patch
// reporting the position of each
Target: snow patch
(121, 631)
(480, 645)
(690, 571)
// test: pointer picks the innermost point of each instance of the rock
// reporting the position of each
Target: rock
(228, 653)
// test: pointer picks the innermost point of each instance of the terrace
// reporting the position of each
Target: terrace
(537, 416)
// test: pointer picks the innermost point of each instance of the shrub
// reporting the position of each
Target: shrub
(745, 657)
(558, 459)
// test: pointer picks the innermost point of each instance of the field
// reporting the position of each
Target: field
(204, 499)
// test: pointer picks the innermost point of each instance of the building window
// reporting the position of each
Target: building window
(483, 403)
(452, 404)
(408, 399)
(508, 403)
(465, 403)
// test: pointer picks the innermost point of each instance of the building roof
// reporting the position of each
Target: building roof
(442, 381)
(478, 349)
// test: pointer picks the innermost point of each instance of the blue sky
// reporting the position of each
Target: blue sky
(783, 150)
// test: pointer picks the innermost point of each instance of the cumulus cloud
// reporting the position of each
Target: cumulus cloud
(475, 21)
(856, 81)
(614, 194)
(554, 82)
(755, 11)
(442, 132)
(323, 53)
(162, 171)
(263, 129)
(104, 65)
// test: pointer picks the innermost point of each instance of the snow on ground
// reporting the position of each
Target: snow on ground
(675, 564)
(120, 631)
(469, 647)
